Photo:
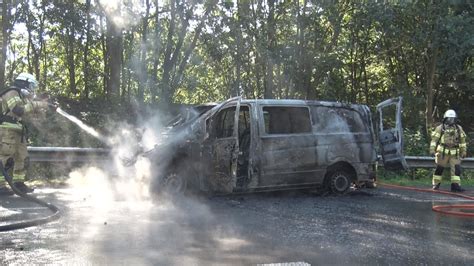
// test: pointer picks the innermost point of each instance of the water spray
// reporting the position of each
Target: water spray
(127, 156)
(83, 126)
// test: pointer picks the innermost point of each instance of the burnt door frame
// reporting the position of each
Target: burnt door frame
(390, 139)
(222, 151)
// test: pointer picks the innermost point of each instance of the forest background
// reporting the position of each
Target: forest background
(120, 59)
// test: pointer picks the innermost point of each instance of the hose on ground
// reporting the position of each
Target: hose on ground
(454, 209)
(32, 222)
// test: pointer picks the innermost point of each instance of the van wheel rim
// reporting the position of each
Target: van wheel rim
(341, 183)
(174, 183)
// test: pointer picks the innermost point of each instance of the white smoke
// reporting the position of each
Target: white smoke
(127, 175)
(121, 15)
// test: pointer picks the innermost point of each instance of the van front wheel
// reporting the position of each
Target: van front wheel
(175, 183)
(171, 184)
(340, 182)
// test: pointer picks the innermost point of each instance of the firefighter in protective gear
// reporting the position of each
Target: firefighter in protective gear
(17, 104)
(448, 144)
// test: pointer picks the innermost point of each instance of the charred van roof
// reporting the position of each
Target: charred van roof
(300, 102)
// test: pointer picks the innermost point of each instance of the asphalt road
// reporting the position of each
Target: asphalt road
(366, 227)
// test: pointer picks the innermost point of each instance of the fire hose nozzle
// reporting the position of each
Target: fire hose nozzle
(53, 106)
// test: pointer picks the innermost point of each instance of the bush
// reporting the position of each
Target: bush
(415, 143)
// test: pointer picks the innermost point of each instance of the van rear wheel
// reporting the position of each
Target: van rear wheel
(339, 182)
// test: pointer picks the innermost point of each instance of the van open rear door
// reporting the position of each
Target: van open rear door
(390, 132)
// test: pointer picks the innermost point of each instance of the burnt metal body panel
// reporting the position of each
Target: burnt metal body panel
(291, 159)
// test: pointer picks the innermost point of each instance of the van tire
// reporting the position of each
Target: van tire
(174, 183)
(170, 184)
(339, 182)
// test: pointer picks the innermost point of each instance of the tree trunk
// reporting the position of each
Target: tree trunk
(4, 38)
(103, 41)
(430, 81)
(70, 60)
(126, 73)
(41, 43)
(153, 86)
(167, 65)
(303, 83)
(114, 45)
(238, 53)
(270, 53)
(87, 76)
(431, 62)
(142, 74)
(28, 52)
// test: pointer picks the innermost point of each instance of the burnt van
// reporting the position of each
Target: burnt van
(245, 145)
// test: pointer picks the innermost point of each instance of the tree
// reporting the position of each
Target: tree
(87, 66)
(177, 51)
(113, 50)
(4, 38)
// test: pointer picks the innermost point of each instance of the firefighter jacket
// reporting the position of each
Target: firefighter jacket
(448, 140)
(15, 107)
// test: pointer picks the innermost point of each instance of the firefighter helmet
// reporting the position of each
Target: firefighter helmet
(450, 117)
(26, 81)
(450, 113)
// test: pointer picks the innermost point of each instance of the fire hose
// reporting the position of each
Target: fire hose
(32, 222)
(454, 209)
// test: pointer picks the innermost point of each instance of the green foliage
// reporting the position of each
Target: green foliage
(202, 51)
(415, 143)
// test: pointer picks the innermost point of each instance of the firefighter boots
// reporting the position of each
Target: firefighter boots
(455, 187)
(436, 187)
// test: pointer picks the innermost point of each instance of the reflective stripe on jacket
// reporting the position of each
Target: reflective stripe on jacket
(11, 100)
(454, 135)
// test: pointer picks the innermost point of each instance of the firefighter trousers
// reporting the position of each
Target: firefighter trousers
(12, 146)
(447, 160)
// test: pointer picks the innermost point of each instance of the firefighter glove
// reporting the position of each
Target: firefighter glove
(52, 106)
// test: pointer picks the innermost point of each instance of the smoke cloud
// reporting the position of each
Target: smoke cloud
(121, 17)
(127, 175)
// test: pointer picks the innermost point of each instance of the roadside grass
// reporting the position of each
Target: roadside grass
(422, 178)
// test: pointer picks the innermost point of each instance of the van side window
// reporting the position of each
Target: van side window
(286, 120)
(225, 123)
(337, 120)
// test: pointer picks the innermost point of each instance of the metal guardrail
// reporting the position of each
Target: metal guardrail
(74, 154)
(428, 162)
(67, 154)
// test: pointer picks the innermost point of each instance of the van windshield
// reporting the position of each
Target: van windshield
(188, 115)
